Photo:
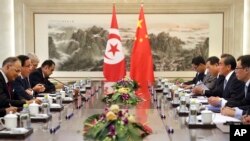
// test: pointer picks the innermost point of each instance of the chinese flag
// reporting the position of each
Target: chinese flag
(141, 67)
(114, 60)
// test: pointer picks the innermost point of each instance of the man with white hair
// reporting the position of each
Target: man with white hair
(34, 61)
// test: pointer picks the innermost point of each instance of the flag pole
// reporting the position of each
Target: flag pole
(141, 2)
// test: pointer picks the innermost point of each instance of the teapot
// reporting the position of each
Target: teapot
(10, 121)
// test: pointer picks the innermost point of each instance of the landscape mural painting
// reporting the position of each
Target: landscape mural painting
(76, 42)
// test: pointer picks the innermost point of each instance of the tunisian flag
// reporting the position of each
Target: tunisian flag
(141, 67)
(114, 60)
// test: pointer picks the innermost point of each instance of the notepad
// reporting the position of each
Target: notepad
(220, 119)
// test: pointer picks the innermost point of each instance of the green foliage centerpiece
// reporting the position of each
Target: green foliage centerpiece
(114, 124)
(124, 93)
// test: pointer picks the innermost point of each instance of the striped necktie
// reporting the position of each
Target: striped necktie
(246, 87)
(225, 84)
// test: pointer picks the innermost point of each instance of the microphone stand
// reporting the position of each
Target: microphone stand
(58, 81)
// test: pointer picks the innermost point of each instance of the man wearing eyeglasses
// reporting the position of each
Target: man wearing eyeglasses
(215, 88)
(9, 101)
(236, 108)
(22, 85)
(233, 89)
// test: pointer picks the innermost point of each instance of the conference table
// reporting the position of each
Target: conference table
(145, 112)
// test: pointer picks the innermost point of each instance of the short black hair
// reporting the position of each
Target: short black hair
(22, 59)
(213, 60)
(229, 60)
(245, 61)
(198, 60)
(9, 60)
(48, 63)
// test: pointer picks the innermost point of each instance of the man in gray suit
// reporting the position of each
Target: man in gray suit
(211, 75)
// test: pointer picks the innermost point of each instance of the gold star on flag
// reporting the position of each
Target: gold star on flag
(139, 24)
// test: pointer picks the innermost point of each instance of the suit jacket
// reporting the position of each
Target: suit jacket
(218, 88)
(20, 85)
(6, 97)
(235, 89)
(242, 104)
(36, 77)
(209, 81)
(198, 77)
(2, 112)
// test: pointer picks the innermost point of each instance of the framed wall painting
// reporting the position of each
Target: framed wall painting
(76, 42)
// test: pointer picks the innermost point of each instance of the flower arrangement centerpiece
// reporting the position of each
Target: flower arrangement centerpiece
(114, 124)
(124, 93)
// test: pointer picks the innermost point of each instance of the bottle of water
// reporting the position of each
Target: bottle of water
(176, 97)
(46, 105)
(25, 117)
(182, 103)
(193, 114)
(165, 90)
(58, 98)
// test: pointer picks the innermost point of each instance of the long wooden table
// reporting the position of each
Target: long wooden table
(72, 129)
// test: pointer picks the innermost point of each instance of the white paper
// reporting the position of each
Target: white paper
(204, 87)
(219, 118)
(201, 99)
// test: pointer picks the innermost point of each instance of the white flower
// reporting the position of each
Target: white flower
(131, 119)
(114, 108)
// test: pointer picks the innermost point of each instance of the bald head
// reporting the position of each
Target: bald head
(11, 68)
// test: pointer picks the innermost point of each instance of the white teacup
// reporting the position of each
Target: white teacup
(206, 116)
(34, 108)
(62, 94)
(10, 121)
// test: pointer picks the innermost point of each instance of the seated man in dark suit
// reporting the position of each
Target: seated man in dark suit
(198, 64)
(236, 108)
(21, 85)
(213, 69)
(232, 87)
(41, 76)
(9, 72)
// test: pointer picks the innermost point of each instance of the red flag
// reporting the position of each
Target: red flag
(141, 67)
(114, 60)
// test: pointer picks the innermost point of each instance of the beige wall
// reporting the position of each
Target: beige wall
(24, 10)
(246, 31)
(6, 29)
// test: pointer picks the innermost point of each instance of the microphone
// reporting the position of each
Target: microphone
(58, 81)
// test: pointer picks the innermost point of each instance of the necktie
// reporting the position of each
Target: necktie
(225, 83)
(246, 87)
(9, 86)
(27, 82)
